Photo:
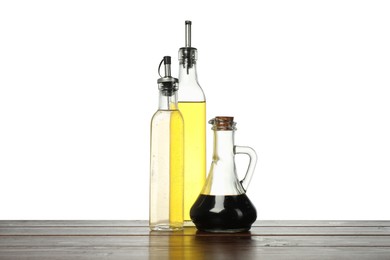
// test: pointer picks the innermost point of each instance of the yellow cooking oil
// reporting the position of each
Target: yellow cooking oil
(176, 170)
(194, 115)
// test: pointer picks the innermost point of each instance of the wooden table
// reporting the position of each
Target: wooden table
(132, 240)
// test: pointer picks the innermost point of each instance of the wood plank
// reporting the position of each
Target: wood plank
(131, 223)
(189, 241)
(73, 223)
(124, 239)
(120, 253)
(138, 230)
(324, 223)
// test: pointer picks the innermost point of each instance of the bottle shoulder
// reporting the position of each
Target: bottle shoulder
(191, 93)
(162, 115)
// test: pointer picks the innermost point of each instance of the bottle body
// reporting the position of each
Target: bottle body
(194, 115)
(166, 157)
(223, 213)
(166, 165)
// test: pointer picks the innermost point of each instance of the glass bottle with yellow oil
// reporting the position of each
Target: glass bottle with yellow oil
(192, 105)
(167, 157)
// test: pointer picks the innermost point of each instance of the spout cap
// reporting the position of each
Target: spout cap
(167, 84)
(167, 71)
(188, 53)
(167, 60)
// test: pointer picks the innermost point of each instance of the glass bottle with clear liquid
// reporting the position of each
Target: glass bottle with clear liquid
(167, 157)
(223, 205)
(192, 105)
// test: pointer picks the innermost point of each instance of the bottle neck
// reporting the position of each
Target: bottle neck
(222, 178)
(187, 73)
(223, 146)
(167, 100)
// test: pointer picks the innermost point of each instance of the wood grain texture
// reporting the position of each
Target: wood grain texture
(133, 240)
(144, 231)
(144, 223)
(301, 253)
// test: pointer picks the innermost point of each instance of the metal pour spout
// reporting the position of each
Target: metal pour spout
(188, 33)
(188, 54)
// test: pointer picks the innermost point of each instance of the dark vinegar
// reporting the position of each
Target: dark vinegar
(234, 213)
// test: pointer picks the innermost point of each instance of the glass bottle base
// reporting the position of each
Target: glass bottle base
(165, 227)
(188, 223)
(236, 230)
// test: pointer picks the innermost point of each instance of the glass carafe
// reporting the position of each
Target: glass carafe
(222, 205)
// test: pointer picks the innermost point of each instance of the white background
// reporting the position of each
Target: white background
(307, 81)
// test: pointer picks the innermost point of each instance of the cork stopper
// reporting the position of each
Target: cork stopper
(223, 123)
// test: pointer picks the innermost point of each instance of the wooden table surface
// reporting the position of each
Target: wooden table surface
(132, 240)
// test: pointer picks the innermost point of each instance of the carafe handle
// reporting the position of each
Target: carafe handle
(252, 163)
